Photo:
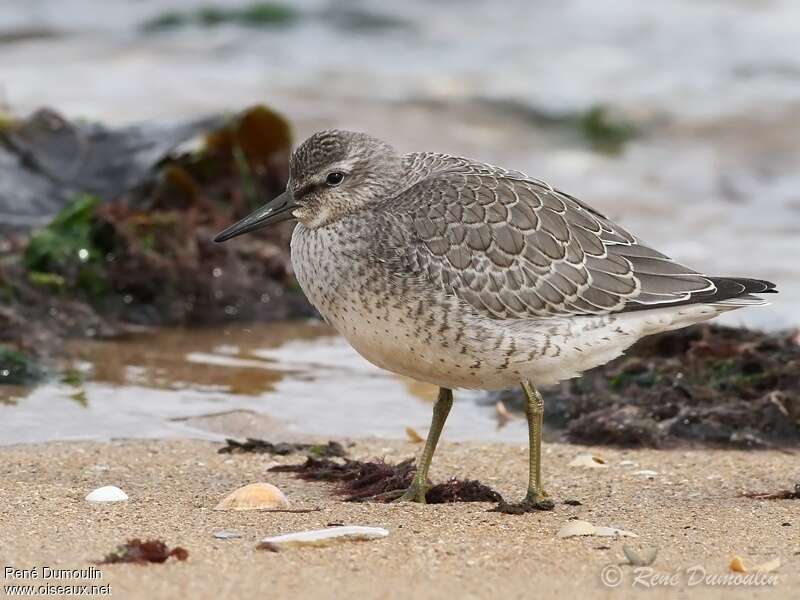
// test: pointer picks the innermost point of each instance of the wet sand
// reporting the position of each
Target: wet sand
(692, 510)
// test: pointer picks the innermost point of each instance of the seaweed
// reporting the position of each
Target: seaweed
(604, 132)
(139, 249)
(360, 20)
(524, 507)
(705, 384)
(252, 445)
(779, 495)
(69, 252)
(376, 480)
(605, 129)
(17, 368)
(257, 14)
(141, 553)
(454, 490)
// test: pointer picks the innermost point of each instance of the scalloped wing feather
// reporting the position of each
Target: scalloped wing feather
(513, 247)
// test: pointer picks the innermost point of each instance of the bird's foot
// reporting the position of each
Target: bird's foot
(414, 493)
(534, 501)
(539, 498)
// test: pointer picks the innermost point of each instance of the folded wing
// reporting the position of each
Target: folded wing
(514, 247)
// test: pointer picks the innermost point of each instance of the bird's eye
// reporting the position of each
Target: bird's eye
(334, 178)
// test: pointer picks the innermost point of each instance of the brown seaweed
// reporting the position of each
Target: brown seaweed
(377, 480)
(706, 384)
(256, 446)
(141, 553)
(779, 495)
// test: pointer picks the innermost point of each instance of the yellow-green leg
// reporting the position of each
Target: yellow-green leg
(536, 497)
(419, 485)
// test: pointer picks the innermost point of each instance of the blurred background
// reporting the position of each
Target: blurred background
(167, 119)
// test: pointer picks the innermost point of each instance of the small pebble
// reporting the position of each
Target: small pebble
(108, 493)
(640, 557)
(227, 535)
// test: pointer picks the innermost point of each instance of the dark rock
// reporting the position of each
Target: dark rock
(47, 160)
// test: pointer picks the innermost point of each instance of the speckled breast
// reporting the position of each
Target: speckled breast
(388, 320)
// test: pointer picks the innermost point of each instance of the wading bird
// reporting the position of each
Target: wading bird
(467, 275)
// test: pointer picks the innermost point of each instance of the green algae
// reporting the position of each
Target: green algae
(257, 14)
(17, 368)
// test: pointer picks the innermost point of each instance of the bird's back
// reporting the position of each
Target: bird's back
(513, 246)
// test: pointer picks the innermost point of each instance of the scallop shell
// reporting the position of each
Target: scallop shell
(254, 496)
(319, 537)
(108, 493)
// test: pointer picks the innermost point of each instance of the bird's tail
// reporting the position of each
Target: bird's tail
(735, 292)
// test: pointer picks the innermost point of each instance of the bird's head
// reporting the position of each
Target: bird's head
(332, 174)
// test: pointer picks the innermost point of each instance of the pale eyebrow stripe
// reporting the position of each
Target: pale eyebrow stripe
(344, 165)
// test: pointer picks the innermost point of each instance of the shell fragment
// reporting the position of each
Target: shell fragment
(588, 461)
(320, 537)
(581, 528)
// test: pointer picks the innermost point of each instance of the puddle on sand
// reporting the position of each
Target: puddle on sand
(302, 375)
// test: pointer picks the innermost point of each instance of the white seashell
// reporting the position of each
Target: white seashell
(613, 532)
(580, 528)
(319, 537)
(627, 463)
(108, 493)
(576, 528)
(588, 461)
(254, 496)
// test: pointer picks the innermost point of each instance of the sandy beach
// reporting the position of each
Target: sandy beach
(132, 344)
(692, 510)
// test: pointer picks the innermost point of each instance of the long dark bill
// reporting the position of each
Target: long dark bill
(276, 210)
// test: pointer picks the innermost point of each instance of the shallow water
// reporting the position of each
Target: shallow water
(167, 383)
